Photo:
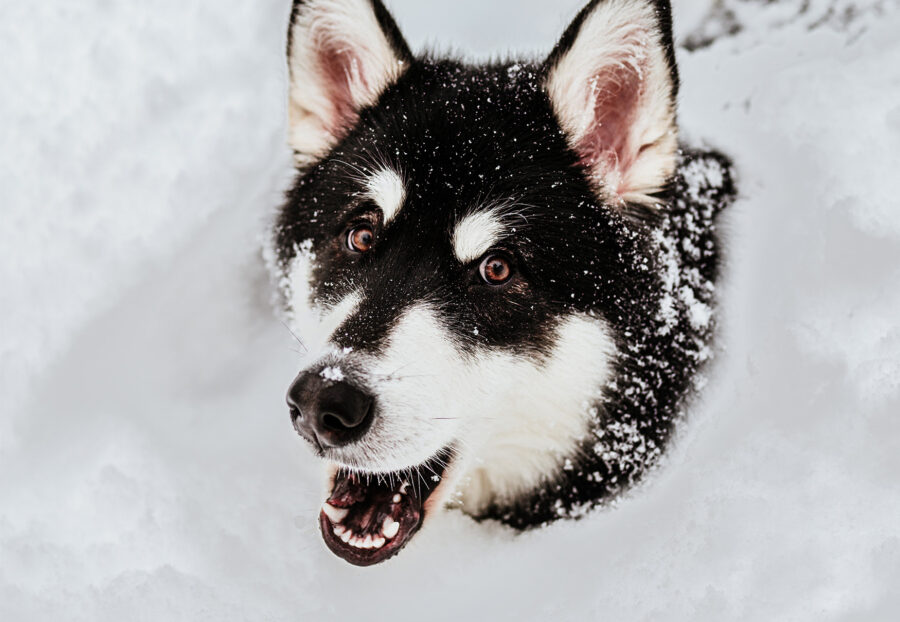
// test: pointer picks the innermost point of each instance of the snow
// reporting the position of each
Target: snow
(334, 374)
(148, 470)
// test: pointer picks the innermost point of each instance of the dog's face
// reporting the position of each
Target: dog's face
(453, 253)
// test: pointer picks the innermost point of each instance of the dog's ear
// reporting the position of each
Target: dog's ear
(613, 84)
(342, 55)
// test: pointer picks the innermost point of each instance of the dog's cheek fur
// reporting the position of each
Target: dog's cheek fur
(529, 415)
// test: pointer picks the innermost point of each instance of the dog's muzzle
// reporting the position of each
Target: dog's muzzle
(329, 413)
(368, 517)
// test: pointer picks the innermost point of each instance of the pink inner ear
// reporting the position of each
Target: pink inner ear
(340, 68)
(606, 147)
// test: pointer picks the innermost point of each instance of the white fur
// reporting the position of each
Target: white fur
(349, 25)
(476, 234)
(534, 425)
(387, 189)
(314, 324)
(617, 32)
(303, 311)
(317, 338)
(514, 420)
(415, 381)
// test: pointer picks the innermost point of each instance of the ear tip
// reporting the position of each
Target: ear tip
(392, 31)
(382, 15)
(662, 15)
(342, 56)
(613, 86)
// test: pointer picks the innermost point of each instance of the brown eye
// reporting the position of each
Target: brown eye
(361, 239)
(496, 270)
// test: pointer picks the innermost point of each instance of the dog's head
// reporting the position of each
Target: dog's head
(453, 254)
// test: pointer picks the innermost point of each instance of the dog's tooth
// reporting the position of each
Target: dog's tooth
(398, 498)
(403, 488)
(334, 514)
(339, 530)
(346, 536)
(367, 543)
(378, 542)
(391, 528)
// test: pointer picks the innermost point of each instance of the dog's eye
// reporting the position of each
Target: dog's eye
(496, 270)
(361, 239)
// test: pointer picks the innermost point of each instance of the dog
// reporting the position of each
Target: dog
(503, 275)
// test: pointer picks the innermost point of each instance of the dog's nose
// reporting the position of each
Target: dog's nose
(329, 413)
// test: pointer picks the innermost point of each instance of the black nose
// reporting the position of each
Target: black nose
(329, 413)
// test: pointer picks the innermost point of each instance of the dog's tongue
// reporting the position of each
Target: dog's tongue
(369, 519)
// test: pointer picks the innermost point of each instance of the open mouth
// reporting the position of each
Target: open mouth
(369, 518)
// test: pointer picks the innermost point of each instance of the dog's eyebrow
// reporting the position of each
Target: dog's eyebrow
(387, 189)
(476, 233)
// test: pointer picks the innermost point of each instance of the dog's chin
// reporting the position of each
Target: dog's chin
(370, 517)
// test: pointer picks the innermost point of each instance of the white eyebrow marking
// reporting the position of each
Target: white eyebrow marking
(476, 234)
(387, 189)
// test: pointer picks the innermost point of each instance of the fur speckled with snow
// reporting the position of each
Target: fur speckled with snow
(663, 360)
(574, 371)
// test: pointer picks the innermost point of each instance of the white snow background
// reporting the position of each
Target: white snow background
(148, 469)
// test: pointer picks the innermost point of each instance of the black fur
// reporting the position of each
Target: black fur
(464, 135)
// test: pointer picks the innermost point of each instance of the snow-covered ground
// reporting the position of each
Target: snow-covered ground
(148, 470)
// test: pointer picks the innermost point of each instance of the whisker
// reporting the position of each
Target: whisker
(393, 374)
(421, 480)
(393, 378)
(300, 341)
(358, 173)
(428, 466)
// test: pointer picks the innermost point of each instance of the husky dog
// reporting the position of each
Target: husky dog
(502, 274)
